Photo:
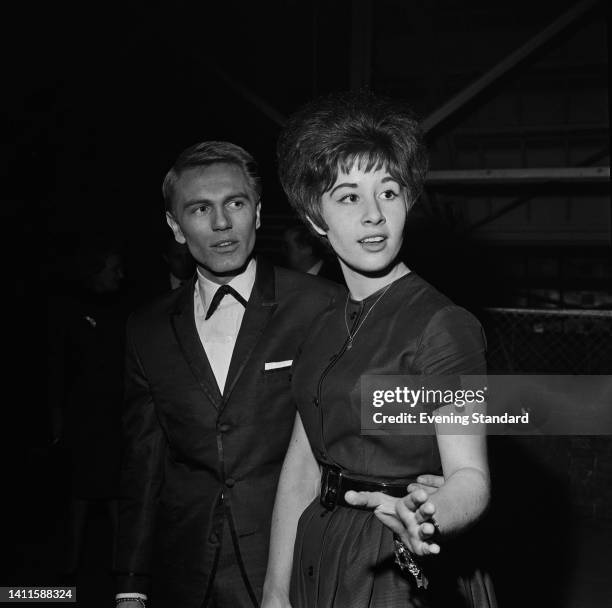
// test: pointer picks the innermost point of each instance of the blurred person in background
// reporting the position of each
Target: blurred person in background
(180, 263)
(86, 327)
(305, 252)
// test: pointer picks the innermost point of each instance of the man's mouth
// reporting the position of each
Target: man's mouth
(224, 244)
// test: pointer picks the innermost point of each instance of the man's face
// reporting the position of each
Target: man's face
(216, 213)
(109, 278)
(293, 250)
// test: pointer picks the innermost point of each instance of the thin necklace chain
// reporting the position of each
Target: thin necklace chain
(351, 337)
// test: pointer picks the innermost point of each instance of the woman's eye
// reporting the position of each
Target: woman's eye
(388, 195)
(349, 198)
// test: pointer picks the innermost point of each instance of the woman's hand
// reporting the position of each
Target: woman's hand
(430, 483)
(408, 517)
(416, 512)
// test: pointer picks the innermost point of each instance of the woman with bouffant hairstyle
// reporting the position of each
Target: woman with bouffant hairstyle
(340, 131)
(350, 526)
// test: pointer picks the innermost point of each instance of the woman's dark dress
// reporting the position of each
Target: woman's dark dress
(344, 558)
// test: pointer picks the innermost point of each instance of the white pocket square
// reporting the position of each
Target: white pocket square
(277, 364)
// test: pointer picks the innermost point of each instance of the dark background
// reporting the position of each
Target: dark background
(99, 99)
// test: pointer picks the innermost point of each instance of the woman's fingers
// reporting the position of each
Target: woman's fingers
(426, 531)
(435, 481)
(429, 483)
(415, 499)
(425, 512)
(428, 549)
(417, 486)
(371, 500)
(407, 517)
(391, 521)
(405, 510)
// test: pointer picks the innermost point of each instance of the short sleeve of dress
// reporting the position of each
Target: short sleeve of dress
(453, 342)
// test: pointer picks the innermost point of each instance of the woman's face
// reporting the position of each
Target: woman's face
(365, 214)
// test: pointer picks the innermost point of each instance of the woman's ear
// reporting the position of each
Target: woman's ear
(317, 228)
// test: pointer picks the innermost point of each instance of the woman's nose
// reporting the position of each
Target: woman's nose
(372, 213)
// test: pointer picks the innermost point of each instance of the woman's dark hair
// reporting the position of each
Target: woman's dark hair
(331, 134)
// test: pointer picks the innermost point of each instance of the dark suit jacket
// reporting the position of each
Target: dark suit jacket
(85, 384)
(190, 451)
(331, 271)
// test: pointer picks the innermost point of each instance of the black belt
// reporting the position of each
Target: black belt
(335, 483)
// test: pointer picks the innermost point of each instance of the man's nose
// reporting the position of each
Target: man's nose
(221, 220)
(372, 213)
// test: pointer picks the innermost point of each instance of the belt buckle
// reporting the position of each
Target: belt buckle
(330, 487)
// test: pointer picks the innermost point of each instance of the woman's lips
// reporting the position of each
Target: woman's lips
(373, 243)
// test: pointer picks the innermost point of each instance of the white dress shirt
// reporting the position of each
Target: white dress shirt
(218, 334)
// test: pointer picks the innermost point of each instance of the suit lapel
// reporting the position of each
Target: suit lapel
(260, 308)
(186, 333)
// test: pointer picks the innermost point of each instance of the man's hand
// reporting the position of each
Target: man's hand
(272, 599)
(407, 517)
(430, 483)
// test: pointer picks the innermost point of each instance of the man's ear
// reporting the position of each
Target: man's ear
(257, 214)
(176, 229)
(317, 228)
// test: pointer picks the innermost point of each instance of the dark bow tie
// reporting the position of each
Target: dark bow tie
(219, 294)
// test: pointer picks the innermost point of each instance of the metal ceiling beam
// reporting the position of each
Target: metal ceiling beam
(525, 52)
(523, 176)
(259, 102)
(587, 162)
(361, 44)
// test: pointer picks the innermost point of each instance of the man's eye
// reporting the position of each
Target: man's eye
(202, 210)
(349, 198)
(236, 204)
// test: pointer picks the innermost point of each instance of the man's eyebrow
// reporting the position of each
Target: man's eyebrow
(239, 194)
(205, 201)
(389, 179)
(197, 201)
(342, 185)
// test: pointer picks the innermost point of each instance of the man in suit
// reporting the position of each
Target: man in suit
(209, 411)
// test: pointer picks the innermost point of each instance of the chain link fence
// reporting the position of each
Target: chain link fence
(523, 341)
(549, 341)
